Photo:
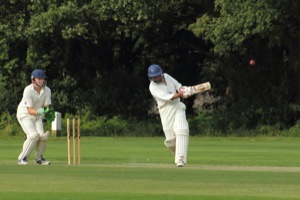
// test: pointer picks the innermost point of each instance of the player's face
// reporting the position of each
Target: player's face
(158, 79)
(39, 81)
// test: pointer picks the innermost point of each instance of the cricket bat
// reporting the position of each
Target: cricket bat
(200, 88)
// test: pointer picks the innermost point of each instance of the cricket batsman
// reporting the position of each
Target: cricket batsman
(31, 110)
(167, 93)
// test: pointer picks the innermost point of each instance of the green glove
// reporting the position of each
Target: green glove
(41, 111)
(49, 115)
(46, 110)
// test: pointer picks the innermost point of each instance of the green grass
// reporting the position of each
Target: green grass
(141, 168)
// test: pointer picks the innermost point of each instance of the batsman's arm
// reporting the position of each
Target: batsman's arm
(177, 95)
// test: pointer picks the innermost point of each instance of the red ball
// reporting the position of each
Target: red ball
(252, 62)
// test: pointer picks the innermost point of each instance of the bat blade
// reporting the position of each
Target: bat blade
(201, 87)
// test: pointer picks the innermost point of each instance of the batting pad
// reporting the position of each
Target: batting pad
(28, 145)
(182, 142)
(41, 146)
(181, 126)
(171, 144)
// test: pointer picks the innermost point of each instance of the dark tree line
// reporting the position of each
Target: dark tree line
(96, 54)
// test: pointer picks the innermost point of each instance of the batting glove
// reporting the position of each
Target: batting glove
(186, 91)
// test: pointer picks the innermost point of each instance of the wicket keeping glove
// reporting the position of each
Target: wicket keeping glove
(41, 111)
(49, 115)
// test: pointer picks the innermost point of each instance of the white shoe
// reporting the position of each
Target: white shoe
(42, 161)
(23, 161)
(180, 163)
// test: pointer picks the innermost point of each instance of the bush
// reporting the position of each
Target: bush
(117, 126)
(5, 119)
(268, 130)
(215, 123)
(9, 126)
(203, 123)
(294, 131)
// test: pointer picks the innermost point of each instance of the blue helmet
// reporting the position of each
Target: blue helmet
(154, 70)
(38, 73)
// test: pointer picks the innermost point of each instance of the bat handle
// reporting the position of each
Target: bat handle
(193, 90)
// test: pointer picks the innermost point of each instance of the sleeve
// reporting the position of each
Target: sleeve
(48, 97)
(176, 84)
(158, 93)
(27, 98)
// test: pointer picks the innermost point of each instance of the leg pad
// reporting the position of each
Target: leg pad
(171, 144)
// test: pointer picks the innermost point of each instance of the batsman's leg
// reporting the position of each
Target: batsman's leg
(167, 122)
(181, 129)
(182, 142)
(171, 144)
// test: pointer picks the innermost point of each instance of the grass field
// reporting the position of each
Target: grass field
(226, 168)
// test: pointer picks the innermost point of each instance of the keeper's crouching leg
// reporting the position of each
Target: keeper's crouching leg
(28, 145)
(41, 146)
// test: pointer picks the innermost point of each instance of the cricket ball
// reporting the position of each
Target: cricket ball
(252, 62)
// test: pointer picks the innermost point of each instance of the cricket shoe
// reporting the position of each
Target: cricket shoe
(23, 161)
(180, 163)
(42, 161)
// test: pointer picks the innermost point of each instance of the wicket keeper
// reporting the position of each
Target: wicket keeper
(30, 113)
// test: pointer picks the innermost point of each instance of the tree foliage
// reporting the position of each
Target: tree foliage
(95, 52)
(241, 30)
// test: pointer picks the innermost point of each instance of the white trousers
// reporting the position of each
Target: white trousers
(34, 129)
(175, 125)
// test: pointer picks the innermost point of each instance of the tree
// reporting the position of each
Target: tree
(264, 30)
(12, 54)
(96, 52)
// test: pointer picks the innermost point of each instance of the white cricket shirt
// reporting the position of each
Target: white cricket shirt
(164, 92)
(31, 98)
